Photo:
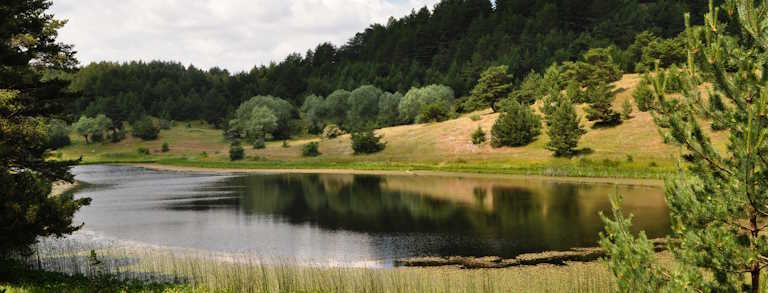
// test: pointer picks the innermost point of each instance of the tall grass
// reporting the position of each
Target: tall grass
(209, 272)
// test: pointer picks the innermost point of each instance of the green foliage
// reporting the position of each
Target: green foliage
(366, 142)
(29, 48)
(626, 110)
(332, 131)
(142, 151)
(601, 107)
(531, 89)
(336, 105)
(313, 111)
(363, 106)
(564, 129)
(434, 112)
(475, 117)
(388, 109)
(236, 151)
(516, 126)
(165, 148)
(93, 128)
(597, 67)
(643, 96)
(417, 99)
(478, 136)
(145, 129)
(255, 121)
(262, 117)
(494, 85)
(667, 52)
(58, 134)
(164, 124)
(310, 149)
(717, 199)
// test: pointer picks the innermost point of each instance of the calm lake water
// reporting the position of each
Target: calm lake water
(352, 218)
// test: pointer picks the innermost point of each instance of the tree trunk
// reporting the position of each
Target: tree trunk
(86, 139)
(755, 279)
(493, 106)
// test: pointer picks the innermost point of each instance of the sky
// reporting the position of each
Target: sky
(230, 34)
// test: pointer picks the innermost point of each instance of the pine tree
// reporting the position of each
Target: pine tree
(516, 126)
(718, 200)
(601, 107)
(564, 129)
(494, 84)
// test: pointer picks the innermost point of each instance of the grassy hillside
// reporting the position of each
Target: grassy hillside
(434, 146)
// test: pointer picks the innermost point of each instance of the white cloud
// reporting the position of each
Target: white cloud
(233, 34)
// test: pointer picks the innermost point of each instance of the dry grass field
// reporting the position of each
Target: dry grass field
(443, 145)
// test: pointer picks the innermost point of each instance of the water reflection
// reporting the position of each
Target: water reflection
(356, 217)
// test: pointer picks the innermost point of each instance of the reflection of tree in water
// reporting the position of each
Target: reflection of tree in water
(523, 219)
(360, 205)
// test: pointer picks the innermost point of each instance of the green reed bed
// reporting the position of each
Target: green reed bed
(197, 271)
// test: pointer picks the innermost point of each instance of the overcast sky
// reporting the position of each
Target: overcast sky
(233, 34)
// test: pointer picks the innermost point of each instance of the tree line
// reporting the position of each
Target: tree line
(451, 45)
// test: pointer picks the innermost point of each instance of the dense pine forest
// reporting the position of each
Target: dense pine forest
(450, 44)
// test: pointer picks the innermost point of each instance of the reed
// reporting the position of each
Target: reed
(198, 271)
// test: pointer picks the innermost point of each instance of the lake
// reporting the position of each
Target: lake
(352, 219)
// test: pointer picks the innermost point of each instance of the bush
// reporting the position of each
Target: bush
(164, 124)
(259, 143)
(626, 110)
(332, 131)
(165, 147)
(434, 112)
(516, 127)
(145, 129)
(643, 96)
(285, 144)
(478, 136)
(58, 134)
(475, 117)
(310, 149)
(366, 142)
(236, 151)
(116, 136)
(142, 151)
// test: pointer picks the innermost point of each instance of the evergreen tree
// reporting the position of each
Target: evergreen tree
(516, 126)
(601, 107)
(494, 84)
(28, 48)
(718, 199)
(564, 129)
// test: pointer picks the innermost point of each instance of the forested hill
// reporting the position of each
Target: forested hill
(450, 44)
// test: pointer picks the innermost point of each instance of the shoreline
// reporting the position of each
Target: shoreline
(569, 179)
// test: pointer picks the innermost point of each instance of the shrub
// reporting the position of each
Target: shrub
(116, 135)
(478, 136)
(434, 112)
(626, 110)
(164, 124)
(236, 151)
(165, 147)
(366, 142)
(517, 126)
(310, 149)
(643, 96)
(285, 144)
(258, 143)
(58, 134)
(145, 129)
(142, 151)
(204, 154)
(475, 117)
(332, 131)
(416, 99)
